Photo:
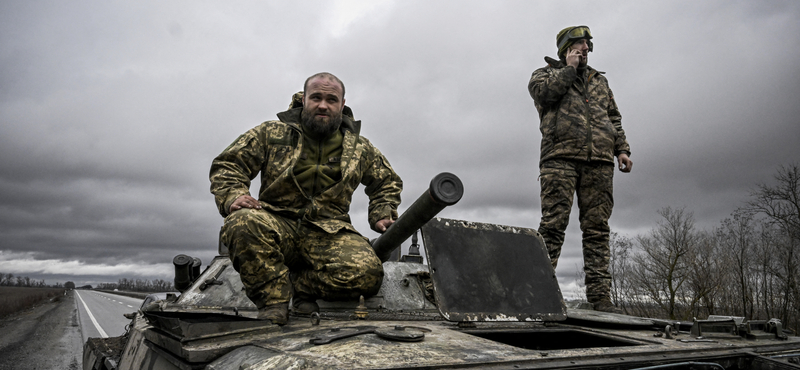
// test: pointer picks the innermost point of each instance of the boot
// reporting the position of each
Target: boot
(277, 313)
(303, 304)
(605, 305)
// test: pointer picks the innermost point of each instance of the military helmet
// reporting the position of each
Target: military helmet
(569, 35)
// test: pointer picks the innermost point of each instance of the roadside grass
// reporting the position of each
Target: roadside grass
(15, 299)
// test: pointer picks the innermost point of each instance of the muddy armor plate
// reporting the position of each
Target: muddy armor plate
(488, 272)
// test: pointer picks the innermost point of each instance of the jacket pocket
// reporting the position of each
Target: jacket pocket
(279, 159)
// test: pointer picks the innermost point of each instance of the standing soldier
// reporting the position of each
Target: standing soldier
(581, 134)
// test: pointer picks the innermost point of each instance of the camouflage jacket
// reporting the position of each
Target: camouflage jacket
(579, 118)
(274, 147)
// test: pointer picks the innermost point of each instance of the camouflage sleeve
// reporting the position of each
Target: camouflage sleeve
(382, 185)
(547, 85)
(621, 142)
(232, 170)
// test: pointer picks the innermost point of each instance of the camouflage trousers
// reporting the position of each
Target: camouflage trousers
(276, 256)
(593, 183)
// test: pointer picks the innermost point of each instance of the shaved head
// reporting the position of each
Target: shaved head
(326, 75)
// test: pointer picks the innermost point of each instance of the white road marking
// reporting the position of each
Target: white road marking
(96, 325)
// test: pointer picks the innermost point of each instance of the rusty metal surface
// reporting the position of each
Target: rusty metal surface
(488, 272)
(401, 289)
(446, 345)
(592, 318)
(190, 326)
(225, 291)
(207, 349)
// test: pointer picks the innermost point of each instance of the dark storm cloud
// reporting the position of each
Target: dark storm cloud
(111, 113)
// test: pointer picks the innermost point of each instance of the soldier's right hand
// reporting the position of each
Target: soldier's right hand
(244, 201)
(573, 57)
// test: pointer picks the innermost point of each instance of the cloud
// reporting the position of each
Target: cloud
(25, 263)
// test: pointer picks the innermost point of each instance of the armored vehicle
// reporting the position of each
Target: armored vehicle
(486, 298)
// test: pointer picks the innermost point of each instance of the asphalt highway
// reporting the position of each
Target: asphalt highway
(101, 314)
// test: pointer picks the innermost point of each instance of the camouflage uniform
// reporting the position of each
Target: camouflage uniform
(581, 133)
(296, 238)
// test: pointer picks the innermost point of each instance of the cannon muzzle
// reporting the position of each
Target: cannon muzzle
(445, 190)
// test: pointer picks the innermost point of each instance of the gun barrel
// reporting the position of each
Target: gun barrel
(445, 190)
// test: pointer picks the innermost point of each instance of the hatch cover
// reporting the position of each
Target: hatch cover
(488, 272)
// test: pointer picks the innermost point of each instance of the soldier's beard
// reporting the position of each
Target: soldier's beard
(317, 127)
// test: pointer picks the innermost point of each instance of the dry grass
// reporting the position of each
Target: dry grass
(15, 299)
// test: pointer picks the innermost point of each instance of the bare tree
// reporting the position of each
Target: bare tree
(705, 276)
(663, 262)
(766, 239)
(580, 281)
(619, 267)
(737, 235)
(780, 203)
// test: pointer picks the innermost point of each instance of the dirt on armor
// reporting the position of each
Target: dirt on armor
(44, 337)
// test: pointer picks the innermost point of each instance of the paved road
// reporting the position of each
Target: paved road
(101, 314)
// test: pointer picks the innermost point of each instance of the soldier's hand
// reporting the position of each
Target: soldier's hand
(244, 201)
(625, 163)
(574, 57)
(384, 224)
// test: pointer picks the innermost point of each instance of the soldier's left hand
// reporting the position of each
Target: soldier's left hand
(625, 163)
(384, 224)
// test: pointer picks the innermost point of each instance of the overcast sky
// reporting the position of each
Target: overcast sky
(111, 112)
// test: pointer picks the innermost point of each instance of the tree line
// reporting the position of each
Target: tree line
(131, 285)
(748, 266)
(139, 285)
(8, 279)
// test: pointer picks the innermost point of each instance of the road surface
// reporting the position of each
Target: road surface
(50, 336)
(101, 314)
(45, 337)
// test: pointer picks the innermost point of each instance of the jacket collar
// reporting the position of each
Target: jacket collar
(292, 117)
(555, 63)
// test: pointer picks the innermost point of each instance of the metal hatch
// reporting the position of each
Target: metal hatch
(488, 272)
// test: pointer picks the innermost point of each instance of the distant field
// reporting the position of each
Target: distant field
(15, 299)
